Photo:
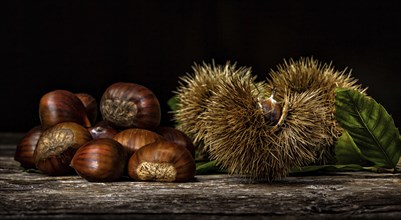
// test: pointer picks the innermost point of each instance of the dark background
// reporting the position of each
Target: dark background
(85, 46)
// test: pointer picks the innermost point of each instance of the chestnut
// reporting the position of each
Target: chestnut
(90, 105)
(100, 160)
(272, 110)
(176, 136)
(162, 161)
(102, 129)
(26, 148)
(128, 105)
(134, 138)
(61, 106)
(57, 145)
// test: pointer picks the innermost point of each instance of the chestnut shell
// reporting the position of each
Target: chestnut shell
(100, 160)
(61, 106)
(26, 147)
(176, 136)
(102, 129)
(57, 145)
(132, 139)
(128, 105)
(162, 161)
(272, 110)
(90, 105)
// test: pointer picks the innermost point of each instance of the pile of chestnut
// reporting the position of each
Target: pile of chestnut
(128, 141)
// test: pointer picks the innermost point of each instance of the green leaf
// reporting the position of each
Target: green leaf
(172, 103)
(322, 169)
(347, 152)
(209, 167)
(370, 126)
(327, 168)
(32, 170)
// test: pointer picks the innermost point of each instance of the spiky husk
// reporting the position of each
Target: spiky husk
(194, 92)
(240, 138)
(308, 74)
(220, 107)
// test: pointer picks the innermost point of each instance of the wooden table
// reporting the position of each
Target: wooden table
(25, 195)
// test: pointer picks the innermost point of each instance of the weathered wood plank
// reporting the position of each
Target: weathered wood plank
(351, 194)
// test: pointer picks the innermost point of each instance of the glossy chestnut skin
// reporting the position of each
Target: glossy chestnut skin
(90, 105)
(102, 129)
(162, 161)
(100, 160)
(128, 105)
(26, 148)
(62, 106)
(272, 110)
(176, 136)
(132, 139)
(57, 145)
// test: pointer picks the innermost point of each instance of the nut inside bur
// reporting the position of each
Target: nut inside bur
(156, 171)
(120, 112)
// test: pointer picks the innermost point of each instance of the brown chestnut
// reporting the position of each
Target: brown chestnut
(61, 106)
(162, 161)
(272, 110)
(134, 138)
(102, 129)
(26, 148)
(128, 105)
(100, 160)
(90, 105)
(176, 136)
(57, 145)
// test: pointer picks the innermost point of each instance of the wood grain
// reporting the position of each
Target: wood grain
(26, 195)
